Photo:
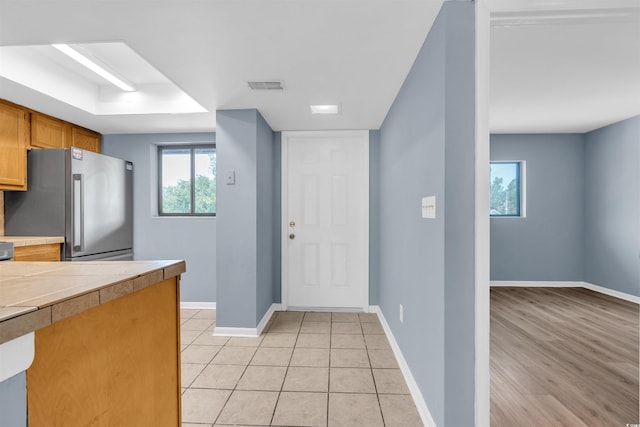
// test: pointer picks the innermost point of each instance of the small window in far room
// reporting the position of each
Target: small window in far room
(187, 180)
(506, 189)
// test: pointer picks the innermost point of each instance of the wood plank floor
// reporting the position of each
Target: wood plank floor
(563, 357)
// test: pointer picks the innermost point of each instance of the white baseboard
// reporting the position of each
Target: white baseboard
(586, 285)
(536, 284)
(267, 317)
(416, 394)
(611, 292)
(198, 305)
(220, 331)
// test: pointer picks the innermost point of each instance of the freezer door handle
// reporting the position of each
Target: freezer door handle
(78, 212)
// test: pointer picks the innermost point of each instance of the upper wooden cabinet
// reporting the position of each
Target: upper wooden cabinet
(83, 138)
(47, 132)
(14, 137)
(21, 129)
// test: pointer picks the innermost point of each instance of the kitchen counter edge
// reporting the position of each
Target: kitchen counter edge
(16, 321)
(19, 241)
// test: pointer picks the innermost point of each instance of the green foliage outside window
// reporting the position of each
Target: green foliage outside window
(505, 189)
(181, 167)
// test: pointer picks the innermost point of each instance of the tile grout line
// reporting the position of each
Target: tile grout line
(329, 366)
(373, 378)
(288, 365)
(236, 384)
(284, 378)
(375, 385)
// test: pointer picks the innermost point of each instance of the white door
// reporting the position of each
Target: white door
(325, 219)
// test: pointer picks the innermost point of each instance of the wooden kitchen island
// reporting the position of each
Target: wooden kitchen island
(107, 349)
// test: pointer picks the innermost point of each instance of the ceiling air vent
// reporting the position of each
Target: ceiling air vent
(266, 85)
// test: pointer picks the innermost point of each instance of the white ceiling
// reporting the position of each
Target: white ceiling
(353, 52)
(563, 65)
(557, 65)
(51, 72)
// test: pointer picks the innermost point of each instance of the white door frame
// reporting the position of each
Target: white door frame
(284, 221)
(482, 225)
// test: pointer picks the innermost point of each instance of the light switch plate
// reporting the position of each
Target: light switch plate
(429, 207)
(230, 177)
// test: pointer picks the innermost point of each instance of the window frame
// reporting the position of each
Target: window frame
(192, 149)
(521, 177)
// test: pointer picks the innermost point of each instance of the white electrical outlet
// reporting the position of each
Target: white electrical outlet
(401, 314)
(230, 177)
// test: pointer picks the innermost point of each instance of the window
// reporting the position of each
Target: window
(187, 180)
(506, 189)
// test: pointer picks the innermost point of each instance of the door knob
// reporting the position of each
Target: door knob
(292, 236)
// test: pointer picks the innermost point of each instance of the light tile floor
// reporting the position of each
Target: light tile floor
(307, 369)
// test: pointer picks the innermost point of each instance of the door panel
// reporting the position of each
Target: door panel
(326, 211)
(339, 273)
(339, 190)
(13, 140)
(310, 265)
(47, 132)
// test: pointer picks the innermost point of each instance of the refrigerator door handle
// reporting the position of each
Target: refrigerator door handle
(78, 212)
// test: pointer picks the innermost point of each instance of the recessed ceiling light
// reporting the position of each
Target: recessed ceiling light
(325, 109)
(45, 69)
(93, 66)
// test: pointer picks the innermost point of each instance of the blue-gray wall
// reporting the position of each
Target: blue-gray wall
(411, 251)
(13, 401)
(612, 207)
(547, 244)
(246, 268)
(267, 200)
(583, 209)
(459, 213)
(374, 217)
(427, 148)
(190, 238)
(276, 247)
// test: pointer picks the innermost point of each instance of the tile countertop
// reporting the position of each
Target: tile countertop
(36, 294)
(32, 240)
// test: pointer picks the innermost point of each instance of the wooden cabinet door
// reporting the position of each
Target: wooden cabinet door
(48, 252)
(84, 139)
(13, 147)
(47, 132)
(117, 364)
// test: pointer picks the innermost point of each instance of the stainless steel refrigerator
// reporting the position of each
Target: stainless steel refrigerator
(84, 196)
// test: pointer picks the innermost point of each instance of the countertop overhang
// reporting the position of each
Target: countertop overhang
(34, 295)
(32, 240)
